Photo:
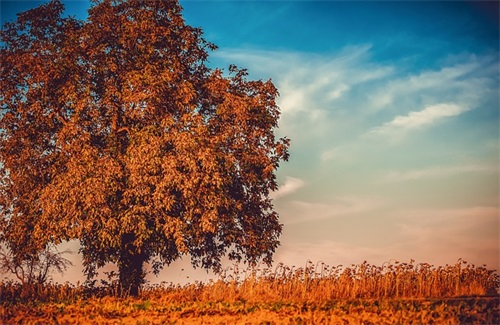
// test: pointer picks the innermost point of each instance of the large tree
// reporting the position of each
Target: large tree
(114, 132)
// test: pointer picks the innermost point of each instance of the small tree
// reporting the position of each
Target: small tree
(35, 269)
(114, 132)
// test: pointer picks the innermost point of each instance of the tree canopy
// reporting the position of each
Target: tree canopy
(114, 132)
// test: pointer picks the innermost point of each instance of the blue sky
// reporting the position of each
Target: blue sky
(392, 109)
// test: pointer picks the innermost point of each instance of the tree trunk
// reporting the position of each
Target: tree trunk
(130, 267)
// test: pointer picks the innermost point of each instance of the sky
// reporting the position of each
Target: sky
(392, 109)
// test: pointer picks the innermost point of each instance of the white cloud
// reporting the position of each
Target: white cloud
(329, 154)
(427, 116)
(437, 172)
(305, 211)
(455, 83)
(418, 119)
(291, 185)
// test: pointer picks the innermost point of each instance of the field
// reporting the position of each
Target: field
(394, 293)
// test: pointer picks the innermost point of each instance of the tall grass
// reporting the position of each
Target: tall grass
(318, 282)
(313, 282)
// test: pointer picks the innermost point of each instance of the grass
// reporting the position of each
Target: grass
(393, 293)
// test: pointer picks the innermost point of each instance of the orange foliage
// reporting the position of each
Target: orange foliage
(115, 133)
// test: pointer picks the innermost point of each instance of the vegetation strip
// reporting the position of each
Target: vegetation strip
(314, 294)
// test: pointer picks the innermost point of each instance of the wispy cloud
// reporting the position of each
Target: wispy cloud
(330, 252)
(470, 233)
(417, 119)
(437, 172)
(329, 154)
(291, 185)
(306, 211)
(460, 82)
(435, 236)
(347, 94)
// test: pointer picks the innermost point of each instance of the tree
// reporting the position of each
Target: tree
(114, 132)
(37, 269)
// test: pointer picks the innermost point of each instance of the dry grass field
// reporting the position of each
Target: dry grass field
(394, 293)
